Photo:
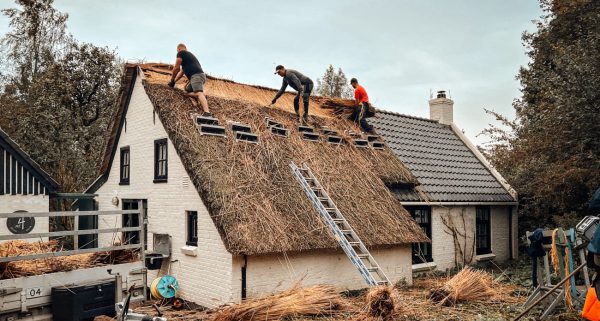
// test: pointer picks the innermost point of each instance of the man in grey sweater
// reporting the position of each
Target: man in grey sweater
(302, 84)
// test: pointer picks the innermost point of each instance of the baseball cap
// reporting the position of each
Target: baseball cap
(278, 67)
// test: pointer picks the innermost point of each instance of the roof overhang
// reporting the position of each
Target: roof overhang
(459, 203)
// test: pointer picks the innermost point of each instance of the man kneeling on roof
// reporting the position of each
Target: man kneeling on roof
(300, 83)
(361, 102)
(187, 63)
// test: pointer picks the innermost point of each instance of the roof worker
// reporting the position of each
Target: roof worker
(300, 83)
(361, 103)
(188, 64)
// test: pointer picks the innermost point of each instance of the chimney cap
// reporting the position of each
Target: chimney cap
(441, 94)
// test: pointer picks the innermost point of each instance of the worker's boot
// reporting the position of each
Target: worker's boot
(305, 119)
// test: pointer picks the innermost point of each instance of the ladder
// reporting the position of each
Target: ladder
(357, 252)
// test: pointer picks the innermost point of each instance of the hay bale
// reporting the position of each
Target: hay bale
(467, 285)
(10, 270)
(314, 301)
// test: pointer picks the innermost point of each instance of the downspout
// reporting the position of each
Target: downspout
(510, 232)
(244, 268)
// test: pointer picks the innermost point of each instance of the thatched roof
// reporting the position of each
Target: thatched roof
(250, 192)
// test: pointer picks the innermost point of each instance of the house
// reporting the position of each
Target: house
(466, 208)
(240, 225)
(24, 187)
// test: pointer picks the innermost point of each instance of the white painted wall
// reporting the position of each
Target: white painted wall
(29, 203)
(204, 279)
(443, 245)
(271, 273)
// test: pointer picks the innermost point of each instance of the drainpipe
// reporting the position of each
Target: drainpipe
(244, 268)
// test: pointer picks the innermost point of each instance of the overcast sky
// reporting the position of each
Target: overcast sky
(399, 50)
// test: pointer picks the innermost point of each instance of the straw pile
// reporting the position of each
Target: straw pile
(467, 285)
(257, 205)
(381, 304)
(55, 264)
(314, 301)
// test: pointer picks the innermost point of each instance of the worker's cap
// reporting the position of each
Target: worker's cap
(353, 81)
(279, 67)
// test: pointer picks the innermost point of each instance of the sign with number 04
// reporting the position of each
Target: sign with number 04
(33, 292)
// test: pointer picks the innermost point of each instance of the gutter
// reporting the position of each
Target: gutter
(457, 203)
(484, 161)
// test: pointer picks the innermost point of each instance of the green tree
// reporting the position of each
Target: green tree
(551, 152)
(59, 107)
(334, 84)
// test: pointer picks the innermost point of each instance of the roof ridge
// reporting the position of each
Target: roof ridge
(383, 111)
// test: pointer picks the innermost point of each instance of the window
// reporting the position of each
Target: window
(483, 241)
(125, 166)
(192, 228)
(160, 160)
(421, 252)
(133, 220)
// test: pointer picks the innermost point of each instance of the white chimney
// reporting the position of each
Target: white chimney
(441, 109)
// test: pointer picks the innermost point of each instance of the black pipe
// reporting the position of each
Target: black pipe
(244, 267)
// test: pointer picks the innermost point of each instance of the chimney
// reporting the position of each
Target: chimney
(441, 108)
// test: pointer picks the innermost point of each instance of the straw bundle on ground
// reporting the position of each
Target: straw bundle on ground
(381, 304)
(250, 192)
(54, 264)
(467, 285)
(314, 301)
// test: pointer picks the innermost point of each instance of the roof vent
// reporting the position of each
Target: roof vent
(361, 143)
(441, 94)
(310, 136)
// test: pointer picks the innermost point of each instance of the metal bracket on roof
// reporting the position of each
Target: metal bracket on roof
(335, 140)
(372, 138)
(377, 145)
(310, 136)
(279, 131)
(361, 143)
(209, 126)
(246, 137)
(305, 129)
(327, 131)
(272, 122)
(239, 127)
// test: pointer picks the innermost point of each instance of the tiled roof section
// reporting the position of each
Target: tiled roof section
(446, 168)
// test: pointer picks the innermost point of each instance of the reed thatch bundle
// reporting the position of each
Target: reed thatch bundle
(467, 285)
(314, 301)
(53, 264)
(251, 194)
(381, 304)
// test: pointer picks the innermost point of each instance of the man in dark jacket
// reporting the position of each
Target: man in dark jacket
(302, 84)
(187, 64)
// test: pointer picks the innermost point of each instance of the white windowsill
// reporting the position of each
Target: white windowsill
(485, 257)
(189, 250)
(423, 267)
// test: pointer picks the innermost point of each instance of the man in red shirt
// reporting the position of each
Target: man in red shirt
(361, 100)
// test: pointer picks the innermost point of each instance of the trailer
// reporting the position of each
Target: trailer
(80, 294)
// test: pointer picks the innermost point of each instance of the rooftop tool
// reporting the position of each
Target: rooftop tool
(209, 126)
(357, 252)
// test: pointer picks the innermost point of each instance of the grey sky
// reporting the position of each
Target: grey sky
(399, 50)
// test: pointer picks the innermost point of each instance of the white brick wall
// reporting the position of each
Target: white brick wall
(29, 203)
(271, 273)
(204, 279)
(443, 248)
